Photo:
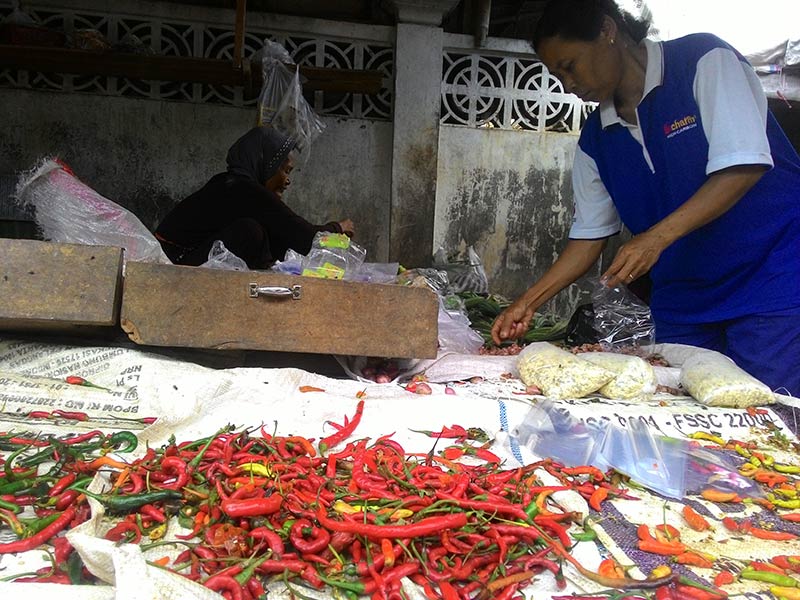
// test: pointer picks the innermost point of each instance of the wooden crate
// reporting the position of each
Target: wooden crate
(166, 305)
(61, 288)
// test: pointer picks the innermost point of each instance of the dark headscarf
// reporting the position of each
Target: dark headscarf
(259, 153)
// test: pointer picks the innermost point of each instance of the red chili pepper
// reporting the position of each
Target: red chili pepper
(724, 578)
(273, 540)
(30, 543)
(317, 538)
(39, 414)
(252, 507)
(59, 486)
(72, 415)
(423, 527)
(176, 468)
(730, 524)
(151, 512)
(224, 584)
(121, 530)
(344, 432)
(767, 534)
(84, 437)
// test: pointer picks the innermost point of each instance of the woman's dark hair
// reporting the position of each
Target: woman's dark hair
(583, 19)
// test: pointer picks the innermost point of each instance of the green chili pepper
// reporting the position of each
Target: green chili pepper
(34, 526)
(128, 504)
(10, 506)
(352, 586)
(532, 509)
(243, 577)
(769, 577)
(12, 487)
(123, 437)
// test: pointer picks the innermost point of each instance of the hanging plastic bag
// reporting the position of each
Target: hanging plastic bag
(558, 373)
(70, 212)
(219, 257)
(281, 103)
(464, 273)
(715, 380)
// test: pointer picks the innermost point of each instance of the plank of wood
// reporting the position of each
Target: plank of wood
(166, 305)
(212, 71)
(57, 287)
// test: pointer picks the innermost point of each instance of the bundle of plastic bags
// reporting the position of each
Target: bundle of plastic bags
(70, 212)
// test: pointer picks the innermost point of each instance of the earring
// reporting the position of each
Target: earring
(611, 41)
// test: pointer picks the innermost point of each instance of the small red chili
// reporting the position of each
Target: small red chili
(307, 538)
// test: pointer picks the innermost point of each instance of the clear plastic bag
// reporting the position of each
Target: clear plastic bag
(435, 279)
(715, 380)
(333, 256)
(281, 103)
(464, 273)
(219, 257)
(634, 377)
(621, 319)
(70, 212)
(455, 333)
(670, 466)
(376, 273)
(551, 431)
(558, 373)
(292, 263)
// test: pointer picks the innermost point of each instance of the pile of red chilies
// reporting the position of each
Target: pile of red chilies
(358, 516)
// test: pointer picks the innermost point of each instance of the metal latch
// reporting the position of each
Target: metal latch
(275, 291)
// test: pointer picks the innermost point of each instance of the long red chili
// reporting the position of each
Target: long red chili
(344, 432)
(427, 526)
(252, 507)
(40, 538)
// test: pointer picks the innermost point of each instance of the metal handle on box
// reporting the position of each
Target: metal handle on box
(293, 292)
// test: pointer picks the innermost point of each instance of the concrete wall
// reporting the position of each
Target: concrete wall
(147, 155)
(509, 195)
(505, 192)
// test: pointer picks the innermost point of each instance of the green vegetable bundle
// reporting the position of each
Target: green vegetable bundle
(483, 310)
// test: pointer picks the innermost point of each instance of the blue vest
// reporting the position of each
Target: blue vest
(745, 262)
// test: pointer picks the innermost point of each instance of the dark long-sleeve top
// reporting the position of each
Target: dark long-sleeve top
(227, 198)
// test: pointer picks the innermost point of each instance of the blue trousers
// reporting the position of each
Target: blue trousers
(765, 345)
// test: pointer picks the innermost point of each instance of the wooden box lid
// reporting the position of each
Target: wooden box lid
(167, 305)
(58, 287)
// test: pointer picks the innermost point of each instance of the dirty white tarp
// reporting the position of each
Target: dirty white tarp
(191, 401)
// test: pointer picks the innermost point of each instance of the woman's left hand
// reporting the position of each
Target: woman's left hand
(634, 259)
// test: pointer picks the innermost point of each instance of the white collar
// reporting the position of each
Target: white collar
(653, 77)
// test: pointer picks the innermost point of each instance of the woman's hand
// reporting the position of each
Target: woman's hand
(716, 196)
(513, 322)
(634, 259)
(347, 227)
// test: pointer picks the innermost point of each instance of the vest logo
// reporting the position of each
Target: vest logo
(680, 125)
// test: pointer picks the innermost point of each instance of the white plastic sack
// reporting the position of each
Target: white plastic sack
(715, 380)
(70, 212)
(558, 373)
(634, 377)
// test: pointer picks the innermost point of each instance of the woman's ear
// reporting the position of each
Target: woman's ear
(608, 30)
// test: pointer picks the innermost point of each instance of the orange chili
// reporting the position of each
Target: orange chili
(695, 520)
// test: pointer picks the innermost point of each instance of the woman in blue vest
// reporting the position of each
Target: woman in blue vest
(683, 151)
